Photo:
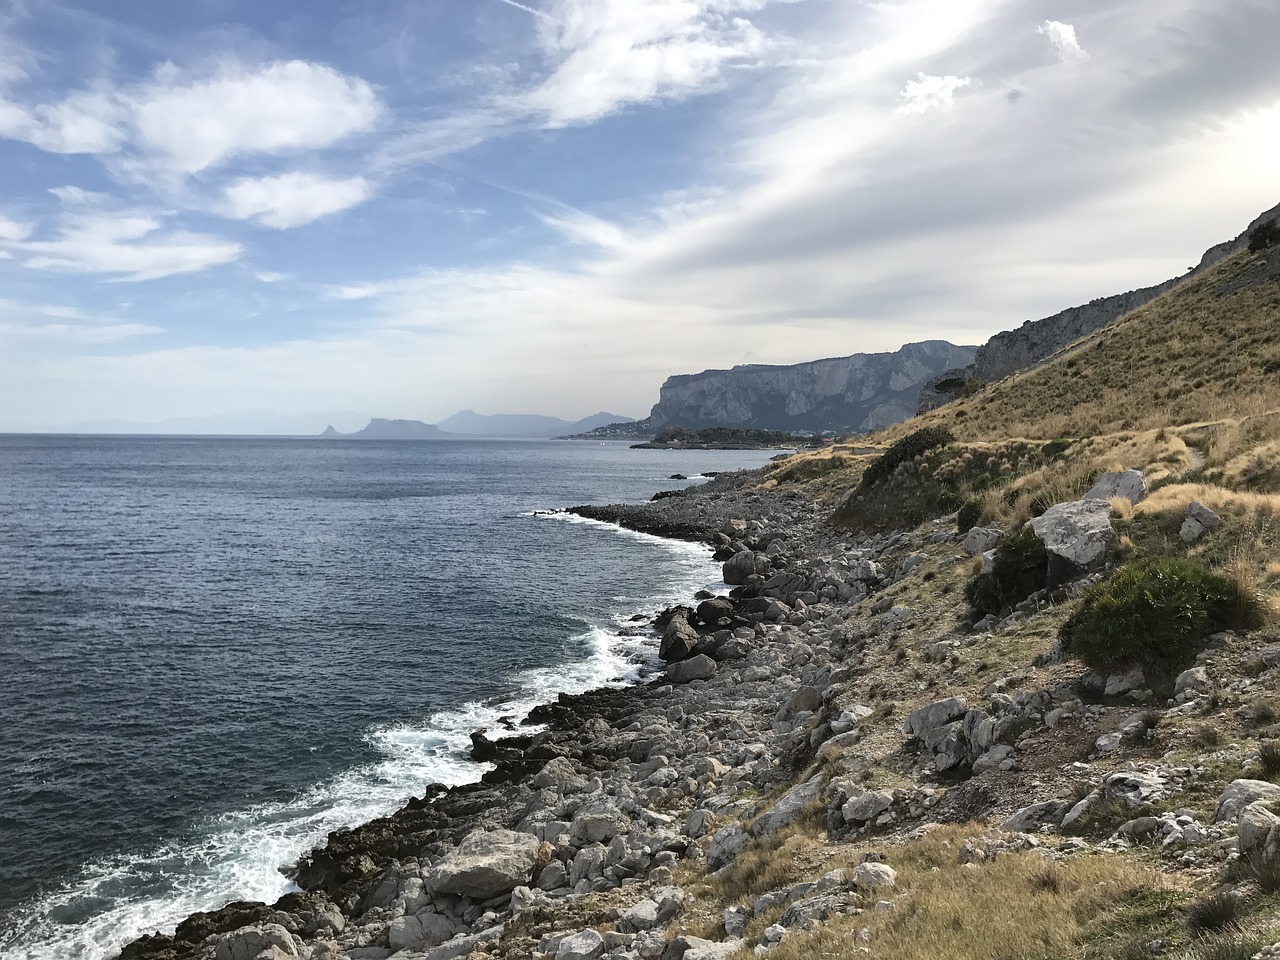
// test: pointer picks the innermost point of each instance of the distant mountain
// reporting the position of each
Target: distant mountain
(247, 423)
(598, 420)
(381, 429)
(470, 423)
(851, 394)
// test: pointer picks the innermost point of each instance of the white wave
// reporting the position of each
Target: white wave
(238, 855)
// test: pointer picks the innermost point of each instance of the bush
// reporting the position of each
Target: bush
(1020, 569)
(1215, 912)
(1269, 758)
(969, 515)
(908, 448)
(1264, 235)
(1154, 612)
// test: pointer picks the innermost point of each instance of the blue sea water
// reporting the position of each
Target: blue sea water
(215, 651)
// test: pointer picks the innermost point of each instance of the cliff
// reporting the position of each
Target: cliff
(857, 393)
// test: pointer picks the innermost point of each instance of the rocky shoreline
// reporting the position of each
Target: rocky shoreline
(789, 703)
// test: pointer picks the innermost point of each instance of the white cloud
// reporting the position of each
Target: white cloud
(1063, 38)
(927, 93)
(608, 54)
(292, 199)
(279, 108)
(270, 276)
(13, 232)
(184, 125)
(81, 123)
(128, 245)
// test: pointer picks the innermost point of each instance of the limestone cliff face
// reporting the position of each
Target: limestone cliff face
(1036, 340)
(863, 392)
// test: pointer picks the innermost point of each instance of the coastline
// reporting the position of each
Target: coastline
(332, 877)
(674, 819)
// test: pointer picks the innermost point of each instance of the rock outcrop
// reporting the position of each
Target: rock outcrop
(857, 393)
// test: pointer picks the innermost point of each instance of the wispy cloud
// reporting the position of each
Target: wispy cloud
(126, 245)
(528, 9)
(608, 54)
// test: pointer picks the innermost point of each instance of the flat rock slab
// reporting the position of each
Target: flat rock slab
(1078, 532)
(1129, 484)
(485, 864)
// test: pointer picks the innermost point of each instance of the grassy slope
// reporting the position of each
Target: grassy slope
(1188, 390)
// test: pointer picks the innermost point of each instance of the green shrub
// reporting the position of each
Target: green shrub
(1055, 448)
(1264, 235)
(1019, 570)
(1153, 612)
(908, 448)
(969, 515)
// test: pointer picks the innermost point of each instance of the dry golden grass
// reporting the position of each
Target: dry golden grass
(769, 863)
(1174, 499)
(1017, 906)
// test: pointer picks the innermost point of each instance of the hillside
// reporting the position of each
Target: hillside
(1206, 350)
(1014, 350)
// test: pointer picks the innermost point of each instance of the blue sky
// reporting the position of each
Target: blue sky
(406, 208)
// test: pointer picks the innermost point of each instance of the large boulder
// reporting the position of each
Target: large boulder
(981, 539)
(712, 611)
(1199, 521)
(1031, 819)
(678, 639)
(1128, 484)
(926, 722)
(1076, 535)
(250, 943)
(695, 668)
(788, 808)
(726, 844)
(741, 566)
(583, 945)
(1254, 826)
(1240, 793)
(865, 807)
(485, 864)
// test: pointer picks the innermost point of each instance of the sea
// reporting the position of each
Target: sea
(214, 651)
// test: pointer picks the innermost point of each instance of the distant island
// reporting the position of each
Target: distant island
(468, 423)
(730, 438)
(381, 429)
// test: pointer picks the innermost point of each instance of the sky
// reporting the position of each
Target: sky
(408, 207)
